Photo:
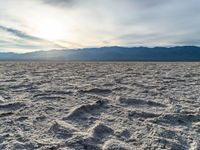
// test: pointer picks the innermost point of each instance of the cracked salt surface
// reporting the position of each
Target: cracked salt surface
(109, 106)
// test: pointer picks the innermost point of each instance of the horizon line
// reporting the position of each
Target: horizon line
(117, 46)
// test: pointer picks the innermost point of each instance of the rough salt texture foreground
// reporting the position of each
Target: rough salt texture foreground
(94, 106)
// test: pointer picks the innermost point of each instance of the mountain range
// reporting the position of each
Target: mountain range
(115, 53)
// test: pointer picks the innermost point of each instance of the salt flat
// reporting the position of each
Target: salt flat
(94, 106)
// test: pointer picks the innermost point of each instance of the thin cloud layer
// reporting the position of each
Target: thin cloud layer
(61, 3)
(141, 3)
(94, 23)
(18, 33)
(21, 40)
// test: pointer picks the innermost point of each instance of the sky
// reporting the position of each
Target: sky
(32, 25)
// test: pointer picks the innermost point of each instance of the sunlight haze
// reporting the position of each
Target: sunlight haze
(56, 24)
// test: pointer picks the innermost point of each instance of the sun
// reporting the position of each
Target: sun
(50, 29)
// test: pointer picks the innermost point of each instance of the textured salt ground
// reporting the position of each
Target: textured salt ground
(99, 106)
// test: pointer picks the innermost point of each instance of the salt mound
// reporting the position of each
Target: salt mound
(1, 99)
(81, 111)
(62, 130)
(11, 106)
(115, 145)
(142, 114)
(96, 91)
(178, 119)
(100, 130)
(82, 142)
(139, 102)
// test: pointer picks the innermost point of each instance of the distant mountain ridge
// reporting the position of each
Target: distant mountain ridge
(115, 53)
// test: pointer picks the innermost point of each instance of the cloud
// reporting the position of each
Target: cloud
(61, 3)
(150, 3)
(140, 3)
(91, 23)
(19, 33)
(25, 41)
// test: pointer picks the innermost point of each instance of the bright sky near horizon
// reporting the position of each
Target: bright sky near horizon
(30, 25)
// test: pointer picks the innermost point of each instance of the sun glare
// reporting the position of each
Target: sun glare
(50, 29)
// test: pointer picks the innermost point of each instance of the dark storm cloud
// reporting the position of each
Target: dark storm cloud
(19, 33)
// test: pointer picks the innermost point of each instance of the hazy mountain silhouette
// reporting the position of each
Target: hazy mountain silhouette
(180, 53)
